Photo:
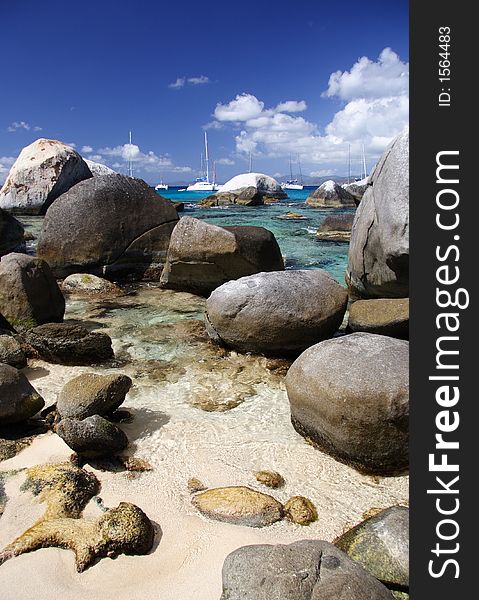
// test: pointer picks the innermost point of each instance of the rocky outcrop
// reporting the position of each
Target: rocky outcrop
(29, 294)
(384, 316)
(357, 188)
(380, 544)
(276, 313)
(91, 394)
(11, 352)
(349, 396)
(378, 265)
(239, 506)
(305, 570)
(18, 398)
(11, 234)
(97, 169)
(92, 437)
(42, 172)
(86, 284)
(330, 195)
(247, 189)
(112, 225)
(336, 228)
(201, 257)
(69, 344)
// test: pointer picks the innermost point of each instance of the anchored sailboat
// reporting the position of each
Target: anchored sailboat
(203, 184)
(293, 184)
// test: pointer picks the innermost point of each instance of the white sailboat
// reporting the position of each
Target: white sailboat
(203, 184)
(161, 185)
(293, 184)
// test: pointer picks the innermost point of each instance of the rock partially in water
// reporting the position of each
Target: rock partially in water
(384, 316)
(42, 172)
(381, 545)
(239, 506)
(93, 437)
(12, 234)
(91, 394)
(336, 228)
(18, 398)
(357, 189)
(350, 396)
(247, 189)
(29, 294)
(69, 344)
(378, 264)
(276, 313)
(271, 479)
(300, 510)
(201, 257)
(331, 195)
(305, 570)
(113, 226)
(86, 284)
(11, 352)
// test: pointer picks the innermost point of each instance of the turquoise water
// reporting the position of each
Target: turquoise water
(296, 239)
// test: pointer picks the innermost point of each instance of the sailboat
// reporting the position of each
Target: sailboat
(293, 184)
(203, 184)
(161, 185)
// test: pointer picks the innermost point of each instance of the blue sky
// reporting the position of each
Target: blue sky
(257, 75)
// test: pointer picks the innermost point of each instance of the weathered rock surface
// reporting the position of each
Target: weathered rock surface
(42, 172)
(247, 189)
(349, 396)
(331, 195)
(384, 316)
(11, 352)
(378, 264)
(239, 506)
(86, 284)
(91, 394)
(5, 326)
(336, 228)
(98, 169)
(304, 570)
(112, 226)
(381, 545)
(18, 398)
(357, 188)
(29, 294)
(68, 344)
(93, 437)
(300, 510)
(12, 234)
(276, 313)
(271, 479)
(201, 257)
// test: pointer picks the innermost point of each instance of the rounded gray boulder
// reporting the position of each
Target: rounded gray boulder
(11, 352)
(92, 437)
(277, 313)
(11, 234)
(349, 396)
(112, 226)
(378, 265)
(18, 398)
(331, 195)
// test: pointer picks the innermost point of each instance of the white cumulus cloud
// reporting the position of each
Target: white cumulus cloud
(16, 125)
(87, 149)
(242, 108)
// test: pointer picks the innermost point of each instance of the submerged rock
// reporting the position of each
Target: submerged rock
(350, 395)
(201, 257)
(29, 294)
(86, 284)
(304, 570)
(331, 195)
(336, 228)
(239, 506)
(300, 510)
(12, 234)
(381, 545)
(384, 316)
(378, 265)
(276, 313)
(69, 344)
(42, 172)
(271, 479)
(11, 352)
(18, 398)
(91, 394)
(113, 226)
(92, 437)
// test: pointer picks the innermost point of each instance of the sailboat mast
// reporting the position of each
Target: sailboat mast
(364, 164)
(250, 161)
(349, 163)
(290, 169)
(206, 158)
(300, 172)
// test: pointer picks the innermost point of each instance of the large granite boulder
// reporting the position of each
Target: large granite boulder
(93, 437)
(202, 257)
(349, 396)
(247, 189)
(384, 316)
(304, 570)
(381, 545)
(11, 234)
(330, 195)
(43, 171)
(277, 313)
(357, 188)
(112, 225)
(69, 344)
(29, 294)
(18, 398)
(98, 169)
(378, 265)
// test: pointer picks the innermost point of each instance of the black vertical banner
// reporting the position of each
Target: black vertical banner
(443, 210)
